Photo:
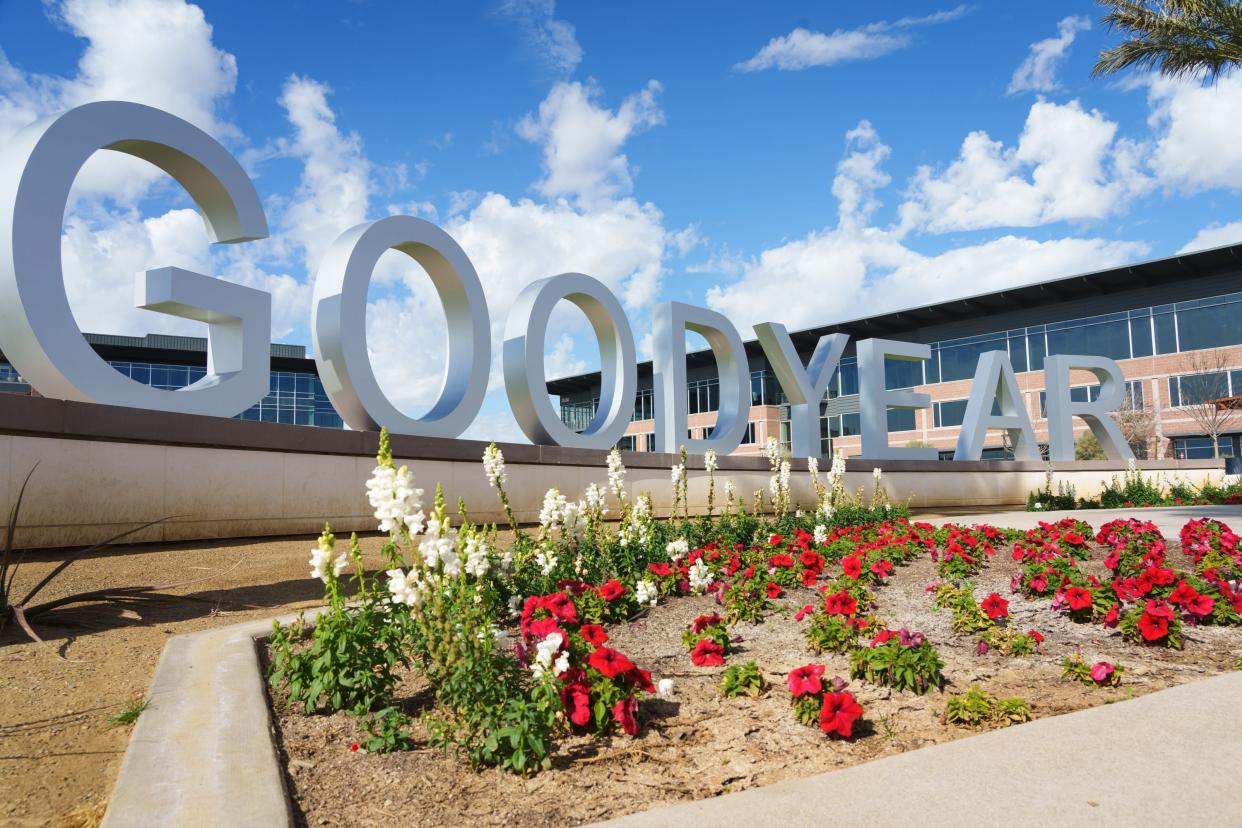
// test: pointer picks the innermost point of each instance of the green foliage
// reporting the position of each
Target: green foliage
(746, 599)
(903, 667)
(831, 633)
(1177, 37)
(975, 707)
(348, 660)
(1074, 668)
(968, 616)
(1010, 642)
(1086, 447)
(388, 731)
(129, 713)
(742, 678)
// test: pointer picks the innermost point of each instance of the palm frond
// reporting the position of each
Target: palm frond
(1177, 37)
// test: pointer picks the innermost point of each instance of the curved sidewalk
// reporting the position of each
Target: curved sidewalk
(1171, 758)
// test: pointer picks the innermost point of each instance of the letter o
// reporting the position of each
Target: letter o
(526, 385)
(338, 327)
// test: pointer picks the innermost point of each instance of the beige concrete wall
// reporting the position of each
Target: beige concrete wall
(84, 490)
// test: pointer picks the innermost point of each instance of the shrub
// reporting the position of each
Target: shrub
(899, 659)
(975, 707)
(827, 704)
(1100, 674)
(742, 678)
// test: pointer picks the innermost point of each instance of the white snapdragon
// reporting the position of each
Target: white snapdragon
(321, 559)
(676, 474)
(677, 549)
(558, 514)
(616, 474)
(709, 461)
(546, 560)
(478, 557)
(646, 593)
(405, 588)
(700, 577)
(546, 658)
(820, 535)
(494, 466)
(394, 498)
(595, 499)
(772, 450)
(877, 473)
(439, 546)
(550, 512)
(730, 492)
(812, 466)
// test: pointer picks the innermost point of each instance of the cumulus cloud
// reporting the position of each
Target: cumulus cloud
(1196, 132)
(856, 269)
(1214, 235)
(803, 48)
(554, 41)
(1038, 73)
(1065, 166)
(582, 140)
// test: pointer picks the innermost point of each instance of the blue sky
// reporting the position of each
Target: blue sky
(851, 157)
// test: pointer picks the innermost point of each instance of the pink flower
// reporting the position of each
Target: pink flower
(624, 711)
(1100, 672)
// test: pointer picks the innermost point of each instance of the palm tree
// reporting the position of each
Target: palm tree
(1180, 37)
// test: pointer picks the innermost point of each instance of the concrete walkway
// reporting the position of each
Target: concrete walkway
(1169, 758)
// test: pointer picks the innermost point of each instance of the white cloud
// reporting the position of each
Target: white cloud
(1214, 235)
(856, 269)
(582, 141)
(803, 48)
(553, 40)
(1066, 166)
(336, 175)
(1196, 126)
(1038, 73)
(146, 51)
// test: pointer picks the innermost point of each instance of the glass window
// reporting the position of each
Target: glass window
(901, 419)
(904, 373)
(1209, 323)
(848, 371)
(949, 413)
(650, 441)
(1017, 351)
(628, 443)
(1140, 333)
(1165, 324)
(1106, 336)
(958, 357)
(1200, 448)
(851, 424)
(1036, 347)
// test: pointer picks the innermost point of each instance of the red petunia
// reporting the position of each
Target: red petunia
(576, 698)
(852, 567)
(811, 560)
(1201, 605)
(1153, 627)
(704, 621)
(805, 680)
(624, 711)
(561, 607)
(841, 603)
(610, 662)
(804, 612)
(995, 606)
(1078, 598)
(707, 653)
(839, 713)
(1036, 635)
(594, 634)
(881, 568)
(774, 590)
(781, 561)
(1114, 614)
(611, 590)
(659, 569)
(1183, 594)
(641, 679)
(809, 576)
(1039, 583)
(541, 629)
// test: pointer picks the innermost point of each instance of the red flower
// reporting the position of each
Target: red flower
(594, 634)
(1039, 583)
(839, 713)
(1114, 613)
(842, 603)
(1100, 671)
(354, 747)
(995, 606)
(852, 567)
(659, 569)
(1036, 635)
(781, 561)
(775, 540)
(610, 662)
(881, 568)
(611, 591)
(576, 698)
(804, 612)
(624, 711)
(704, 621)
(541, 629)
(1153, 627)
(1201, 605)
(805, 680)
(1184, 594)
(774, 590)
(706, 653)
(561, 607)
(809, 577)
(641, 679)
(1078, 598)
(811, 560)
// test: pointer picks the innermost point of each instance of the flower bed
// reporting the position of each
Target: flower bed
(593, 670)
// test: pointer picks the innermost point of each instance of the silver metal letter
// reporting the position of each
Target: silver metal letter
(994, 380)
(37, 329)
(669, 322)
(526, 382)
(875, 399)
(803, 387)
(1062, 410)
(338, 327)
